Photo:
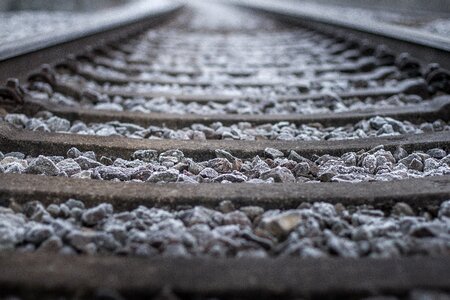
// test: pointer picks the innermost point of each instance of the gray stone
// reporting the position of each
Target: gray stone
(52, 245)
(142, 173)
(13, 168)
(273, 153)
(87, 163)
(111, 173)
(76, 213)
(400, 153)
(18, 155)
(53, 210)
(96, 214)
(437, 153)
(301, 169)
(444, 210)
(231, 177)
(64, 211)
(56, 158)
(369, 163)
(18, 120)
(90, 155)
(83, 241)
(324, 209)
(386, 129)
(69, 166)
(221, 165)
(236, 218)
(107, 161)
(43, 165)
(87, 174)
(350, 158)
(164, 176)
(424, 231)
(38, 233)
(8, 160)
(122, 163)
(174, 156)
(78, 127)
(194, 168)
(34, 124)
(73, 153)
(106, 131)
(416, 164)
(58, 124)
(340, 246)
(12, 231)
(279, 174)
(226, 206)
(208, 173)
(402, 209)
(201, 215)
(146, 155)
(430, 164)
(72, 203)
(225, 154)
(377, 122)
(252, 211)
(282, 224)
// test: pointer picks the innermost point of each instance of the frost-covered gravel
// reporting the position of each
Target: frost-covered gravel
(150, 166)
(310, 231)
(275, 83)
(264, 104)
(377, 126)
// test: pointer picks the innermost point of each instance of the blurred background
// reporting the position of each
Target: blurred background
(438, 6)
(68, 5)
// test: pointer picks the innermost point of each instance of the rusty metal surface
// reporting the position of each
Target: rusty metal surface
(286, 278)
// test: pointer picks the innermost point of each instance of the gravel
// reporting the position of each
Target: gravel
(286, 131)
(375, 164)
(267, 105)
(312, 230)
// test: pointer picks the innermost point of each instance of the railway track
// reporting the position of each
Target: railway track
(218, 157)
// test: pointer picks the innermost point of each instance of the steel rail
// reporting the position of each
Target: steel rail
(37, 143)
(284, 278)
